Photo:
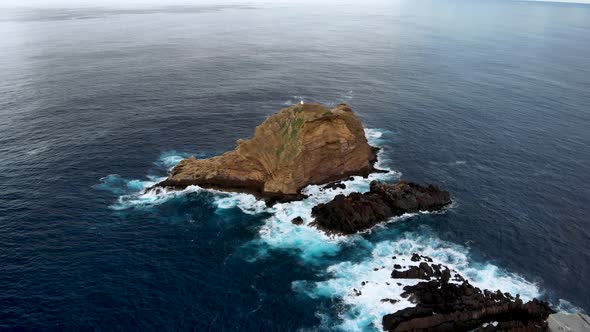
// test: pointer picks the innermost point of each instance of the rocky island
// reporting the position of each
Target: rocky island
(311, 144)
(303, 144)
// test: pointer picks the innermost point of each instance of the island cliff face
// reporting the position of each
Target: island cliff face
(300, 145)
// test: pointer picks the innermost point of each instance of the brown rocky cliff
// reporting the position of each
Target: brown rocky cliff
(300, 145)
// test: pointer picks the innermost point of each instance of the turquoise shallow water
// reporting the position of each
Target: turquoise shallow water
(488, 99)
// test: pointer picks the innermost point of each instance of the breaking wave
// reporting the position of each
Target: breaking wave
(277, 232)
(358, 288)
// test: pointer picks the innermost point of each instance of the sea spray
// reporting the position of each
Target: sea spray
(135, 193)
(363, 290)
(357, 306)
(169, 159)
(278, 232)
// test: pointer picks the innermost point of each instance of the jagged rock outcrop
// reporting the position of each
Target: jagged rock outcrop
(444, 305)
(357, 212)
(300, 145)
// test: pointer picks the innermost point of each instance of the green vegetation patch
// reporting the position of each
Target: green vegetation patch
(290, 133)
(295, 126)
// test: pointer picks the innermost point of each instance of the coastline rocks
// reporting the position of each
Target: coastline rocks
(445, 305)
(300, 145)
(335, 185)
(358, 212)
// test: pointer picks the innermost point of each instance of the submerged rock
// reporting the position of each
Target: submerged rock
(357, 212)
(335, 185)
(297, 221)
(392, 301)
(300, 145)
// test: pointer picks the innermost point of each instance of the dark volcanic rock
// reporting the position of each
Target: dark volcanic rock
(349, 214)
(444, 306)
(423, 271)
(335, 185)
(358, 212)
(297, 221)
(406, 197)
(413, 272)
(392, 321)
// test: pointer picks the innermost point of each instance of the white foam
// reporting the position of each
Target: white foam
(568, 307)
(134, 193)
(169, 159)
(245, 202)
(150, 197)
(277, 232)
(365, 311)
(358, 312)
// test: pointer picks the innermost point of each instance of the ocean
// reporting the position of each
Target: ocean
(488, 99)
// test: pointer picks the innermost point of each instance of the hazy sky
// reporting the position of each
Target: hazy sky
(132, 3)
(126, 3)
(97, 3)
(135, 3)
(568, 1)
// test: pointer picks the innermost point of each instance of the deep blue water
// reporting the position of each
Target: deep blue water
(489, 99)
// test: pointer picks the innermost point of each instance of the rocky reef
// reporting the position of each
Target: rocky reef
(310, 144)
(445, 304)
(358, 212)
(298, 146)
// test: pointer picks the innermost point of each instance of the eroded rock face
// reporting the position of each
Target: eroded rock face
(300, 145)
(357, 212)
